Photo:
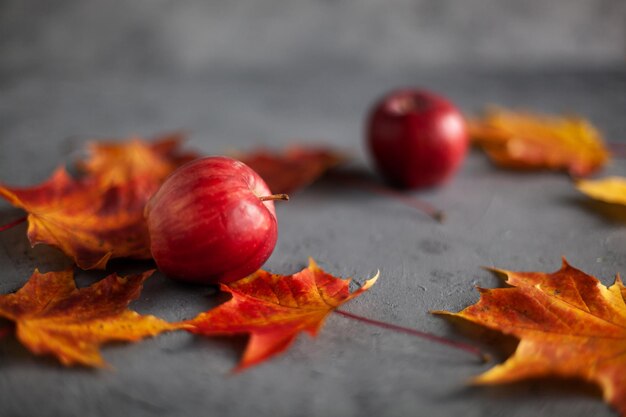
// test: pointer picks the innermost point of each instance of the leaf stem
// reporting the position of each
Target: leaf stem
(13, 223)
(417, 333)
(373, 187)
(274, 197)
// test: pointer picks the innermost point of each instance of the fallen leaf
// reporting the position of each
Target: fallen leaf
(531, 141)
(53, 317)
(610, 189)
(292, 169)
(100, 216)
(87, 223)
(568, 323)
(273, 309)
(146, 163)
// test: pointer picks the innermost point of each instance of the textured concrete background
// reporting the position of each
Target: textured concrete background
(237, 74)
(73, 36)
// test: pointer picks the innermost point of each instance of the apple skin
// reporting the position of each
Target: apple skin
(417, 139)
(208, 224)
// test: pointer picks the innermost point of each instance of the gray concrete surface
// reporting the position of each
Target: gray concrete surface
(516, 221)
(67, 76)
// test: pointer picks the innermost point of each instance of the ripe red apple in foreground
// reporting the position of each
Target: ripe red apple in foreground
(416, 138)
(212, 220)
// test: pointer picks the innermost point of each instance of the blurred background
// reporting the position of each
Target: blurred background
(269, 71)
(183, 37)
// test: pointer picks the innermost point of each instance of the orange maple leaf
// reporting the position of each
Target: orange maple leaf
(568, 323)
(530, 141)
(610, 190)
(87, 223)
(53, 317)
(292, 169)
(273, 309)
(100, 216)
(115, 163)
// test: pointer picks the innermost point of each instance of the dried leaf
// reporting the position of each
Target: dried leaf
(568, 323)
(530, 141)
(99, 217)
(273, 309)
(53, 317)
(117, 163)
(609, 190)
(87, 223)
(292, 169)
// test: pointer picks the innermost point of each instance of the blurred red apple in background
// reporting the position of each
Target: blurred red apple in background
(212, 221)
(416, 138)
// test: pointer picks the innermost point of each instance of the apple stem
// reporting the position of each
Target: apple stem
(274, 197)
(417, 333)
(371, 186)
(13, 223)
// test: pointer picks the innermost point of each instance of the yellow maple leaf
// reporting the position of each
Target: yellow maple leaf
(609, 189)
(52, 316)
(524, 140)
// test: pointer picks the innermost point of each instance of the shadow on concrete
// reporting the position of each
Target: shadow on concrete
(613, 214)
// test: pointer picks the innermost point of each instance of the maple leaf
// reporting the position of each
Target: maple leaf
(568, 323)
(100, 216)
(610, 189)
(292, 169)
(87, 223)
(146, 163)
(273, 309)
(53, 317)
(530, 141)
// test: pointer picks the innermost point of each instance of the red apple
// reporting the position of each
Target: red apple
(417, 139)
(212, 221)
